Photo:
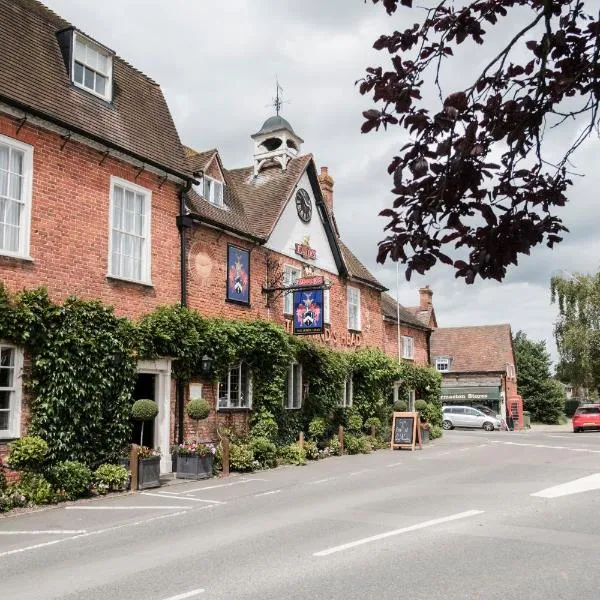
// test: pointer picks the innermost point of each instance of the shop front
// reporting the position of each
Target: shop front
(488, 396)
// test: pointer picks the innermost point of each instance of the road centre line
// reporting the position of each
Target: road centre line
(45, 532)
(142, 507)
(547, 446)
(396, 464)
(321, 480)
(267, 493)
(221, 485)
(98, 532)
(184, 498)
(387, 534)
(185, 595)
(577, 486)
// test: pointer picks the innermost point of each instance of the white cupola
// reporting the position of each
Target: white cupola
(275, 144)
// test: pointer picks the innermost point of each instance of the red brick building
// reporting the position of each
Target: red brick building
(478, 367)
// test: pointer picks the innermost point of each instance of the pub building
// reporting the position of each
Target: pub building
(477, 365)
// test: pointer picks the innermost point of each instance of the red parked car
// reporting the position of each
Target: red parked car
(586, 417)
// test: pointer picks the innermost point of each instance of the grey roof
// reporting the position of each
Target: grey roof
(275, 123)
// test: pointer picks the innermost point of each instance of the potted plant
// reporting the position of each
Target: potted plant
(195, 459)
(148, 458)
(422, 408)
(148, 468)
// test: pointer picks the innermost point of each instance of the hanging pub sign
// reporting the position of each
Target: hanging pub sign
(238, 275)
(308, 312)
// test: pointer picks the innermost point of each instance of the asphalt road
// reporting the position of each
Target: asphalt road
(456, 520)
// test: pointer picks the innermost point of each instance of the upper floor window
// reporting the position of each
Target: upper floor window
(92, 67)
(290, 276)
(510, 371)
(347, 392)
(213, 191)
(130, 250)
(235, 389)
(354, 308)
(16, 166)
(11, 364)
(294, 386)
(408, 347)
(442, 364)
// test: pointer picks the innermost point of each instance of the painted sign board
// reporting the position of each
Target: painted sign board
(308, 311)
(405, 430)
(470, 393)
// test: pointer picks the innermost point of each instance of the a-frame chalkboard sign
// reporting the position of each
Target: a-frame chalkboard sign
(405, 430)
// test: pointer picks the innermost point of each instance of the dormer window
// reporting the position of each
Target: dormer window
(213, 191)
(442, 364)
(92, 67)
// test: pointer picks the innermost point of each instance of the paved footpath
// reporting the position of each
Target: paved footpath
(475, 515)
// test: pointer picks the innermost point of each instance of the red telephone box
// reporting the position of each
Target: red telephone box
(515, 409)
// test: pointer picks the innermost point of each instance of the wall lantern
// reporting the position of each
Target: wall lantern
(206, 365)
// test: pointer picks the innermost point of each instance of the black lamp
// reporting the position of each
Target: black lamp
(206, 364)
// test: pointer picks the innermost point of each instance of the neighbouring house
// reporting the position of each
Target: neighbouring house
(478, 368)
(91, 174)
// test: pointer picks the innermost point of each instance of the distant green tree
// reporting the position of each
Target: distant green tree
(542, 395)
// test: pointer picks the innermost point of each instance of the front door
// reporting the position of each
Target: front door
(145, 388)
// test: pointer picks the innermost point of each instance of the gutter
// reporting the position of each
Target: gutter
(60, 123)
(201, 220)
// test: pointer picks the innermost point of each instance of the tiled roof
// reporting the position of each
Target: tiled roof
(474, 349)
(34, 78)
(356, 268)
(390, 310)
(424, 315)
(198, 161)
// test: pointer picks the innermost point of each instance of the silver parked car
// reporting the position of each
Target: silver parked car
(466, 416)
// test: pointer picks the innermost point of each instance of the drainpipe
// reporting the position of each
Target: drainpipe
(184, 222)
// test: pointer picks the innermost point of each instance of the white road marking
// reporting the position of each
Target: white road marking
(96, 532)
(321, 480)
(267, 493)
(184, 498)
(45, 532)
(190, 594)
(157, 507)
(577, 486)
(359, 472)
(548, 447)
(387, 534)
(396, 464)
(221, 485)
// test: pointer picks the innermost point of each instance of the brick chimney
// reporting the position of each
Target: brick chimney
(425, 295)
(326, 182)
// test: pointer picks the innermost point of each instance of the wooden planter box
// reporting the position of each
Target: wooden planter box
(148, 472)
(195, 467)
(425, 435)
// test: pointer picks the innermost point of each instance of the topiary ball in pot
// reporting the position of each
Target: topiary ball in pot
(197, 410)
(422, 408)
(144, 410)
(400, 406)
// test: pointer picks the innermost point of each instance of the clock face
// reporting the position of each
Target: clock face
(303, 205)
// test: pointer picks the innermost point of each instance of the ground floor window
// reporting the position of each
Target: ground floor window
(235, 389)
(11, 366)
(347, 392)
(294, 386)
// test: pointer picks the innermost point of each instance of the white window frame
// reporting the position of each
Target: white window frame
(248, 391)
(354, 325)
(26, 199)
(440, 361)
(147, 251)
(347, 392)
(16, 394)
(211, 199)
(293, 399)
(109, 61)
(510, 371)
(408, 347)
(289, 271)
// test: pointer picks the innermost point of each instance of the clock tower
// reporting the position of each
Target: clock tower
(275, 144)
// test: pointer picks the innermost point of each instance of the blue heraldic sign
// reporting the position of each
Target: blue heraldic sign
(308, 312)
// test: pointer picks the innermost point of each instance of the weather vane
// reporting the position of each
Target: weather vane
(278, 100)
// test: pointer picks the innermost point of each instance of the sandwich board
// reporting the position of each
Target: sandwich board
(405, 430)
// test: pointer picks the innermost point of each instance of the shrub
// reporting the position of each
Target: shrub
(312, 450)
(435, 432)
(317, 428)
(197, 409)
(35, 488)
(2, 477)
(12, 498)
(401, 406)
(355, 423)
(335, 449)
(265, 425)
(111, 478)
(293, 454)
(241, 457)
(144, 410)
(422, 407)
(373, 422)
(265, 451)
(72, 477)
(27, 453)
(357, 444)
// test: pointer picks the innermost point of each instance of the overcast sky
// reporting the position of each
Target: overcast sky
(217, 62)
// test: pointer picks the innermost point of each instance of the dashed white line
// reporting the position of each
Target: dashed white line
(267, 493)
(189, 594)
(184, 498)
(577, 486)
(396, 464)
(387, 534)
(359, 472)
(45, 532)
(221, 485)
(144, 507)
(547, 447)
(321, 480)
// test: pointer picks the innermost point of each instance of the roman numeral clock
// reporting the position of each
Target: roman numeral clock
(303, 205)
